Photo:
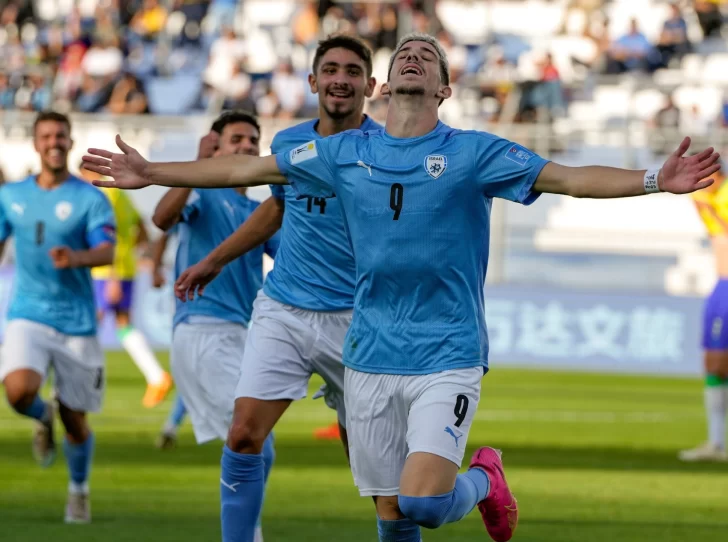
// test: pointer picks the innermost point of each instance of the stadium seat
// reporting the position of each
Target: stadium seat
(173, 95)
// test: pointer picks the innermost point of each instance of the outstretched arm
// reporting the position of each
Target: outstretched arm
(130, 171)
(678, 175)
(260, 226)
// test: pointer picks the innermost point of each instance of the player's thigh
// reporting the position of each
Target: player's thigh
(78, 362)
(716, 362)
(275, 364)
(442, 408)
(327, 358)
(24, 357)
(377, 426)
(185, 357)
(218, 375)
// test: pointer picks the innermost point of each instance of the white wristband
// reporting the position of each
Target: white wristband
(651, 185)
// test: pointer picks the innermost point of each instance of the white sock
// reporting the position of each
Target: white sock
(716, 404)
(136, 345)
(258, 534)
(78, 489)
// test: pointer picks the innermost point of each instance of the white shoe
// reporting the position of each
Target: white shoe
(704, 452)
(78, 508)
(258, 534)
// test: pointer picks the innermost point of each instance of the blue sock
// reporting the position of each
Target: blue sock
(432, 512)
(36, 410)
(78, 458)
(177, 416)
(398, 530)
(269, 457)
(242, 482)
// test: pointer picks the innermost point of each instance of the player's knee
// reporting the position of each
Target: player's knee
(246, 437)
(428, 512)
(75, 423)
(19, 390)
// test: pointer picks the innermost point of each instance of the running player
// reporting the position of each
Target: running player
(416, 200)
(62, 227)
(304, 309)
(209, 338)
(712, 205)
(114, 286)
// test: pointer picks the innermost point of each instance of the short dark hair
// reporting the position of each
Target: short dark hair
(232, 117)
(44, 116)
(344, 41)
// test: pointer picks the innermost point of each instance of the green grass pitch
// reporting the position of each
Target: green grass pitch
(590, 457)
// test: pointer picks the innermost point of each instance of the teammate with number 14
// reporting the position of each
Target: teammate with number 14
(416, 199)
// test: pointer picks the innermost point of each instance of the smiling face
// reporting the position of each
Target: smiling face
(52, 141)
(417, 70)
(342, 83)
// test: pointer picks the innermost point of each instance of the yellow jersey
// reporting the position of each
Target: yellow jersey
(718, 200)
(127, 230)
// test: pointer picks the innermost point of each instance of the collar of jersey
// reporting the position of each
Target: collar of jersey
(410, 140)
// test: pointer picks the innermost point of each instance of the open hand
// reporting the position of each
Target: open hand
(128, 169)
(194, 279)
(681, 175)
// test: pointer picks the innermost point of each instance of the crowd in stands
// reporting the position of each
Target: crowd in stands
(186, 56)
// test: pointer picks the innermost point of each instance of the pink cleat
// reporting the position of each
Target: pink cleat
(499, 509)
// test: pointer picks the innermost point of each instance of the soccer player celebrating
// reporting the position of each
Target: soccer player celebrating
(416, 200)
(304, 310)
(114, 285)
(209, 336)
(62, 226)
(712, 205)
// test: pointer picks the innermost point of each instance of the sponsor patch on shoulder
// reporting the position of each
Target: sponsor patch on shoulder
(519, 155)
(303, 153)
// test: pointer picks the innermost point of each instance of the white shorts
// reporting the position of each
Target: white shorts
(392, 416)
(286, 345)
(206, 362)
(77, 361)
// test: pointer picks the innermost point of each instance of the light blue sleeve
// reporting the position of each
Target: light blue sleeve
(308, 168)
(100, 221)
(506, 170)
(192, 207)
(278, 191)
(272, 244)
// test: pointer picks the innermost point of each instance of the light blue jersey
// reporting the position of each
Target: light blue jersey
(418, 213)
(209, 217)
(315, 268)
(76, 215)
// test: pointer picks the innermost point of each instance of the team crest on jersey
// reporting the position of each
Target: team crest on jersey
(435, 165)
(63, 210)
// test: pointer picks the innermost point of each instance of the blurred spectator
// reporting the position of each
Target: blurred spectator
(103, 59)
(305, 24)
(723, 116)
(709, 17)
(266, 101)
(674, 41)
(665, 124)
(695, 124)
(149, 21)
(93, 96)
(237, 90)
(70, 71)
(7, 92)
(12, 52)
(550, 92)
(498, 79)
(226, 53)
(630, 52)
(128, 97)
(335, 22)
(289, 90)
